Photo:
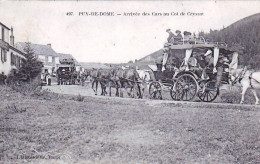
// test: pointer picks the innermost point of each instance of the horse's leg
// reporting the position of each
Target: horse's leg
(102, 87)
(117, 89)
(256, 98)
(141, 90)
(129, 93)
(93, 83)
(244, 89)
(120, 90)
(96, 87)
(109, 85)
(117, 86)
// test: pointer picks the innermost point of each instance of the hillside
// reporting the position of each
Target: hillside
(243, 35)
(93, 65)
(152, 57)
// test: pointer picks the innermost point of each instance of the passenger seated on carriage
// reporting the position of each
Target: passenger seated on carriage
(194, 65)
(174, 39)
(171, 36)
(178, 39)
(188, 38)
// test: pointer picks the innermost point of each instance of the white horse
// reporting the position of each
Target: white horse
(248, 80)
(144, 75)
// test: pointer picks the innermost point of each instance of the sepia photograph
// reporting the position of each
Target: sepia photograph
(158, 82)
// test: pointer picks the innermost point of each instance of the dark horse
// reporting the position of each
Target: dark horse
(93, 74)
(99, 76)
(127, 78)
(117, 78)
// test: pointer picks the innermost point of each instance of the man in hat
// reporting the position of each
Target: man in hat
(171, 37)
(178, 39)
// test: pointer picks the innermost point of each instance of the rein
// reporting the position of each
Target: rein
(239, 77)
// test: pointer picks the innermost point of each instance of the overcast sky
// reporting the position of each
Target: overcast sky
(114, 38)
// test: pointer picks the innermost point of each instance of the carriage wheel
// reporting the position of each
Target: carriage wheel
(208, 92)
(188, 87)
(176, 93)
(155, 90)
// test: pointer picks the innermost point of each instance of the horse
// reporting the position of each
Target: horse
(127, 78)
(248, 80)
(93, 74)
(146, 76)
(105, 79)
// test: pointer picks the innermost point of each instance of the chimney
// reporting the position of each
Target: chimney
(49, 45)
(12, 37)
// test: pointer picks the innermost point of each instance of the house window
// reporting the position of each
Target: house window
(3, 55)
(12, 59)
(41, 58)
(3, 34)
(18, 61)
(49, 59)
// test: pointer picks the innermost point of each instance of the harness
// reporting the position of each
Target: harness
(239, 77)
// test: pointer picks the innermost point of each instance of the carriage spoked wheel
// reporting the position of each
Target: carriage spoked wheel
(176, 92)
(155, 90)
(208, 92)
(186, 87)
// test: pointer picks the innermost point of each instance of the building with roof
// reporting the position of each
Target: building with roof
(45, 54)
(11, 57)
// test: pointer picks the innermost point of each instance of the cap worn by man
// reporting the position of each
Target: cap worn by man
(177, 31)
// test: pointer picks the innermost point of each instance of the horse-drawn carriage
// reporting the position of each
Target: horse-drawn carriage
(203, 68)
(66, 73)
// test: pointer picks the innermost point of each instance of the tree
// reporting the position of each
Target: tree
(31, 67)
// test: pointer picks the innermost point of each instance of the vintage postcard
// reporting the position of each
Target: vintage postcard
(129, 81)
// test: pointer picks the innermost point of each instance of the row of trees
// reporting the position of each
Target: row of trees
(244, 37)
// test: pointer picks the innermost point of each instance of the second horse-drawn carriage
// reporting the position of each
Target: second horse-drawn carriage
(66, 73)
(190, 70)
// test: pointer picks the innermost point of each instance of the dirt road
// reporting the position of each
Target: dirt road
(57, 128)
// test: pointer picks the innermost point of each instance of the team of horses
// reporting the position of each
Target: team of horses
(131, 80)
(134, 81)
